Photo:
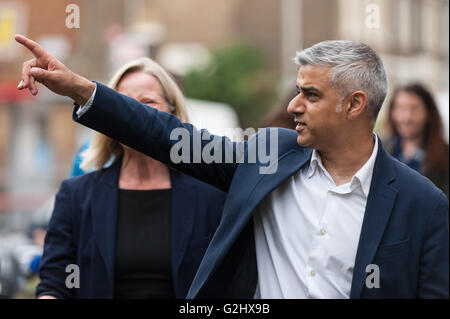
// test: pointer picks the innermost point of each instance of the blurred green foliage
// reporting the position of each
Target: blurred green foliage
(235, 75)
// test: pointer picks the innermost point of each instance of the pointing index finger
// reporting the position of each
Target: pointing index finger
(34, 47)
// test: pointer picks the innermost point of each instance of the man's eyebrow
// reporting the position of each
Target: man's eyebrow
(308, 89)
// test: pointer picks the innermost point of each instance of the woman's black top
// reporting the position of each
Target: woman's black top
(142, 260)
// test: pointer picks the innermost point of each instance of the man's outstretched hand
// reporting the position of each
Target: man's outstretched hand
(46, 69)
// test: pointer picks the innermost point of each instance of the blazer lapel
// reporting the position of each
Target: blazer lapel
(378, 210)
(182, 218)
(104, 216)
(254, 187)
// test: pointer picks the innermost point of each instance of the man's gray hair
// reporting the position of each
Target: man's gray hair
(354, 66)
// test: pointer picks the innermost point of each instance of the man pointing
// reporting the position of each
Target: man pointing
(339, 218)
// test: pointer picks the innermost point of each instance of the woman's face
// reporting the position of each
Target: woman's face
(409, 115)
(145, 88)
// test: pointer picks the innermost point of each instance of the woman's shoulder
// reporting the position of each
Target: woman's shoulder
(84, 182)
(80, 180)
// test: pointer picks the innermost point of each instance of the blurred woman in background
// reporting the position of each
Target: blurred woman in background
(137, 228)
(416, 134)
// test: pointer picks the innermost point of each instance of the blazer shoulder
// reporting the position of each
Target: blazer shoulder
(414, 183)
(82, 183)
(287, 134)
(73, 183)
(285, 138)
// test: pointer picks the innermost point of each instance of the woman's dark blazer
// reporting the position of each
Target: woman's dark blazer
(82, 231)
(440, 179)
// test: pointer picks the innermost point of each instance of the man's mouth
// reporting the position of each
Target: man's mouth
(300, 125)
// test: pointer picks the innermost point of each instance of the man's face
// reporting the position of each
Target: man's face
(316, 108)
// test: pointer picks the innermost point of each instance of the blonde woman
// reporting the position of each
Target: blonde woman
(136, 229)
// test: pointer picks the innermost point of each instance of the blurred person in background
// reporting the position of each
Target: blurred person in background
(10, 273)
(136, 229)
(416, 134)
(75, 169)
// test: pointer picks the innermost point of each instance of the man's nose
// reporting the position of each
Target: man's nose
(296, 105)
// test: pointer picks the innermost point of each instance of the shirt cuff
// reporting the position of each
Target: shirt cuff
(83, 109)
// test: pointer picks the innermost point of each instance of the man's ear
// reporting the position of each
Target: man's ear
(357, 103)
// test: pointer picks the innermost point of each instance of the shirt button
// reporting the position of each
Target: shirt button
(313, 273)
(323, 231)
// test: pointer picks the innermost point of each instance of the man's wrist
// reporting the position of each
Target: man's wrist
(82, 89)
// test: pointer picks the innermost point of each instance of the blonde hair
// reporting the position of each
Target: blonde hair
(102, 148)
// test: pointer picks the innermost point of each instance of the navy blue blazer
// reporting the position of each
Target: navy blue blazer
(405, 229)
(82, 231)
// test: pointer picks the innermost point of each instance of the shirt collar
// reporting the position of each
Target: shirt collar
(363, 176)
(315, 162)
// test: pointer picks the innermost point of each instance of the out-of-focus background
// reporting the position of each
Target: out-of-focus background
(232, 58)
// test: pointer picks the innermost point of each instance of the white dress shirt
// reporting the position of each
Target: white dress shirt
(84, 108)
(307, 232)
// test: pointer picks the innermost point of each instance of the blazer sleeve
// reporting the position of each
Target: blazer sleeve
(149, 131)
(433, 280)
(59, 248)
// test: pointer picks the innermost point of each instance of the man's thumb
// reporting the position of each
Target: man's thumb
(40, 74)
